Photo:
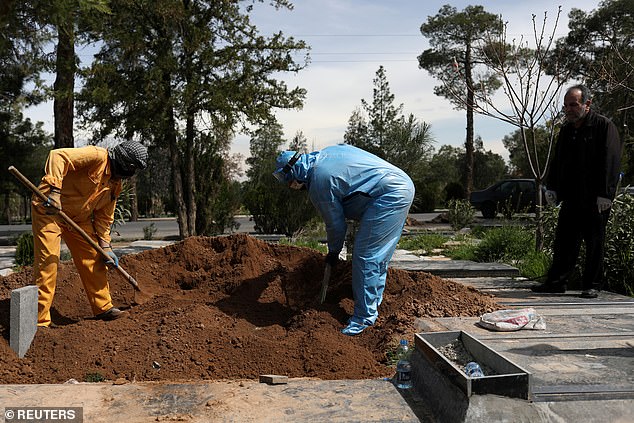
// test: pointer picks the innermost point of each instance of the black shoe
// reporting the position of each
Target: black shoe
(112, 314)
(589, 293)
(550, 288)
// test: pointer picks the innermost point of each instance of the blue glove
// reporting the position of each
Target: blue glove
(53, 204)
(114, 260)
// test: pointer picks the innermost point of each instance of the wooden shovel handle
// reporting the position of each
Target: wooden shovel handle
(74, 225)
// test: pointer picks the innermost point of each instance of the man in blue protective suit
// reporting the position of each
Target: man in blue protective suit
(345, 182)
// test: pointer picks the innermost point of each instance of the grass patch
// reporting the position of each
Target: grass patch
(305, 242)
(462, 251)
(534, 265)
(424, 242)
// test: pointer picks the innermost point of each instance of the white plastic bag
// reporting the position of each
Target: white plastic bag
(512, 320)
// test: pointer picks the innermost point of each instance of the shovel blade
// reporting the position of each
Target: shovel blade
(141, 297)
(324, 284)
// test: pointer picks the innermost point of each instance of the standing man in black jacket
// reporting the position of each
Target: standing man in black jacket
(583, 175)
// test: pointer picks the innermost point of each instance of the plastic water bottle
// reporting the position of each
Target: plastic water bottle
(473, 369)
(403, 367)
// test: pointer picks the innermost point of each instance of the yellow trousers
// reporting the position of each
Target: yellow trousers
(48, 231)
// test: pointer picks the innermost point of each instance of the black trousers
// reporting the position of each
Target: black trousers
(580, 222)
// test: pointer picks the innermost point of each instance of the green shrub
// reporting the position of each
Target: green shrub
(460, 213)
(535, 264)
(392, 353)
(507, 208)
(619, 247)
(123, 206)
(549, 216)
(506, 244)
(24, 249)
(478, 231)
(514, 245)
(149, 231)
(94, 377)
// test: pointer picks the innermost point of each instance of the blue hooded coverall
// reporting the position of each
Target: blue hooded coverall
(345, 182)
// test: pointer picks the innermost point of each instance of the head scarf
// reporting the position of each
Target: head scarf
(127, 157)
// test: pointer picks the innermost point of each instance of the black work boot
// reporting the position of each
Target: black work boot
(589, 293)
(556, 285)
(112, 314)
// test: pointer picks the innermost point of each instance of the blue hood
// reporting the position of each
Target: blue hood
(300, 170)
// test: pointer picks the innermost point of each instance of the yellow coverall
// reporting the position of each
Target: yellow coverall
(88, 196)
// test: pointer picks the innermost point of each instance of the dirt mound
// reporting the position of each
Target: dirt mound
(225, 308)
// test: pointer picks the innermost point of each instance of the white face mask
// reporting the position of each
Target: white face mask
(295, 184)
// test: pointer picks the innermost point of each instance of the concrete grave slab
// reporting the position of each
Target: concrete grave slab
(23, 319)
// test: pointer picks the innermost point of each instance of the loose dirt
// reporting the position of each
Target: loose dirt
(225, 308)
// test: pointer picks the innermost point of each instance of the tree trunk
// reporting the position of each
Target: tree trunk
(539, 222)
(469, 149)
(190, 134)
(26, 201)
(134, 202)
(7, 210)
(177, 181)
(190, 175)
(64, 86)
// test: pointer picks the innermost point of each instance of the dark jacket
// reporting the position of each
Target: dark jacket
(587, 161)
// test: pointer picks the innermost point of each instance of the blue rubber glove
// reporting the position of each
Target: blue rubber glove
(53, 205)
(114, 260)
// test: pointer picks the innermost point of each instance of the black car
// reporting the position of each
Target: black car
(509, 195)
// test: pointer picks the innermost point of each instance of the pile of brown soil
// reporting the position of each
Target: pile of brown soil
(225, 308)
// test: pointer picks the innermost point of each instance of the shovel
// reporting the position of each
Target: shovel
(83, 233)
(324, 283)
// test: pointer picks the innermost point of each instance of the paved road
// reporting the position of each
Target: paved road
(166, 228)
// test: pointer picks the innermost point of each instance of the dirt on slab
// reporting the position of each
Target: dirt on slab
(230, 307)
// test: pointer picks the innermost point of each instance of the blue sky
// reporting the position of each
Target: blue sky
(350, 39)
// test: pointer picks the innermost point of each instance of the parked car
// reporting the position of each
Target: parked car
(509, 195)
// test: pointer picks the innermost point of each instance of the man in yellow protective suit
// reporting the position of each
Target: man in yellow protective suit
(85, 182)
